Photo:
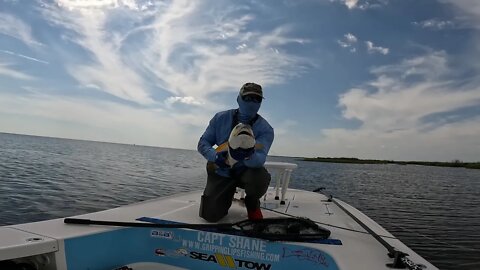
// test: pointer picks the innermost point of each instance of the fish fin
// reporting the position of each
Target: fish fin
(259, 146)
(222, 147)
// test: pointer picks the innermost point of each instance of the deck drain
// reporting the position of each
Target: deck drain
(34, 239)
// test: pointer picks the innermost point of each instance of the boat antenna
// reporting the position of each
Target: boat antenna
(400, 259)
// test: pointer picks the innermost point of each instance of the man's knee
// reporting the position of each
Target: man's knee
(211, 209)
(256, 181)
(257, 173)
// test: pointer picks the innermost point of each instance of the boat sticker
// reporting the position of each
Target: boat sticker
(181, 252)
(309, 254)
(161, 234)
(178, 253)
(229, 261)
(329, 241)
(191, 249)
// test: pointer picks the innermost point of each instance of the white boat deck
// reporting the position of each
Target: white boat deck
(359, 250)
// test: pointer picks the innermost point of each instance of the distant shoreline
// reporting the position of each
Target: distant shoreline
(455, 163)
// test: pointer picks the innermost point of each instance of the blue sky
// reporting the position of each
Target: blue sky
(383, 79)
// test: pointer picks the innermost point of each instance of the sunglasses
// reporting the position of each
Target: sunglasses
(252, 98)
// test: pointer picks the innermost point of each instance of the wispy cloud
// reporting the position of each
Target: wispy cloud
(24, 56)
(184, 100)
(371, 48)
(435, 24)
(362, 4)
(395, 94)
(351, 3)
(186, 48)
(93, 4)
(7, 70)
(201, 55)
(16, 28)
(349, 40)
(107, 69)
(468, 10)
(393, 108)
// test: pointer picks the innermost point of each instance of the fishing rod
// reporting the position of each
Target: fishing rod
(400, 259)
(81, 221)
(292, 229)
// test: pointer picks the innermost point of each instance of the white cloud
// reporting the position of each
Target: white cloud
(469, 11)
(350, 38)
(343, 44)
(362, 4)
(430, 66)
(72, 4)
(16, 28)
(219, 65)
(187, 48)
(108, 71)
(371, 48)
(402, 104)
(24, 56)
(184, 100)
(435, 24)
(242, 46)
(7, 70)
(351, 3)
(392, 110)
(348, 41)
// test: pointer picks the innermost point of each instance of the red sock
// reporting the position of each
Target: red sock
(255, 214)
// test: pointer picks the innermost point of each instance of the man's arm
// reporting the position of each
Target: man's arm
(207, 141)
(264, 140)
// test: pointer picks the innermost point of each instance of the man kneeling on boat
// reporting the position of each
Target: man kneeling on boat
(243, 139)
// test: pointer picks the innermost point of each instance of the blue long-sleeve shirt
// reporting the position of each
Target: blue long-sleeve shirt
(218, 131)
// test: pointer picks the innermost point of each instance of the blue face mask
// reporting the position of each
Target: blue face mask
(247, 110)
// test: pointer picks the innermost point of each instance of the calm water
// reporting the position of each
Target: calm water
(435, 211)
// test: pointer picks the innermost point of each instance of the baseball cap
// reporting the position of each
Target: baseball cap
(251, 89)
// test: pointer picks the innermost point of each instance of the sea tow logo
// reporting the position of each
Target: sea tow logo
(181, 252)
(161, 234)
(228, 261)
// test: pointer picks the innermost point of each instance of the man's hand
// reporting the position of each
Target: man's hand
(221, 160)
